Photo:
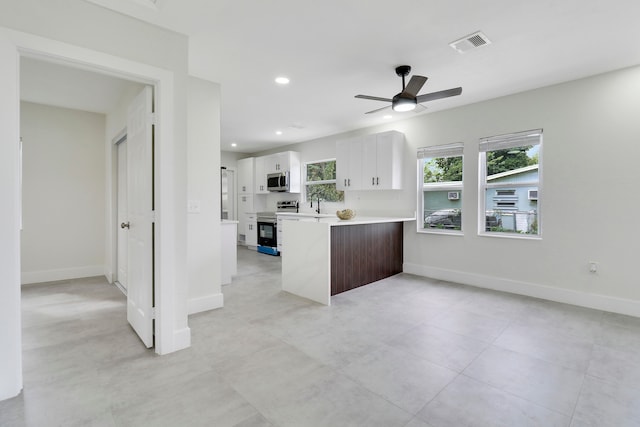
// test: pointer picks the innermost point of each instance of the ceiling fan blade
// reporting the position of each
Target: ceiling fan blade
(378, 109)
(415, 84)
(373, 98)
(419, 108)
(439, 95)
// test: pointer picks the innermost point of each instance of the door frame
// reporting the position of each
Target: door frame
(169, 337)
(120, 138)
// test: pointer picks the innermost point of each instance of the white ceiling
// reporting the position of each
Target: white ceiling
(334, 49)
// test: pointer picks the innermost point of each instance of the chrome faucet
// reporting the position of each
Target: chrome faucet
(318, 207)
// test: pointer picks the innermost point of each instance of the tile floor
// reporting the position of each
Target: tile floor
(406, 351)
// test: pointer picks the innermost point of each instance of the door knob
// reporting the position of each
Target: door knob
(124, 225)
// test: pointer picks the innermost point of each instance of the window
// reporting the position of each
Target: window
(510, 176)
(440, 189)
(320, 181)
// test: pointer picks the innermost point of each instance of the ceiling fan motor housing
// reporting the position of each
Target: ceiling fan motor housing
(403, 70)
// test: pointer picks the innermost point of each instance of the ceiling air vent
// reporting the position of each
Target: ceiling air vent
(469, 42)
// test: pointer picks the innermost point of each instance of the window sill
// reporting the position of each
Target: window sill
(440, 232)
(516, 236)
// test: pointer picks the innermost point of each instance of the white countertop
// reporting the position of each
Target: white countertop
(358, 220)
(304, 215)
(228, 221)
(333, 220)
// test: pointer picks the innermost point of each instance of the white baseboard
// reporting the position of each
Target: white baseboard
(596, 301)
(182, 339)
(210, 302)
(61, 274)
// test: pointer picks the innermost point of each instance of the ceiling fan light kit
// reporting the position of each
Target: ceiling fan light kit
(402, 104)
(409, 99)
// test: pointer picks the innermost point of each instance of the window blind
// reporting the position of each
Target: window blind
(446, 150)
(512, 140)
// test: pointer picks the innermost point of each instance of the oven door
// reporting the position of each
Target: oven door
(267, 234)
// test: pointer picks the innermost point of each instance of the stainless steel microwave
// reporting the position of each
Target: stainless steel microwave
(278, 181)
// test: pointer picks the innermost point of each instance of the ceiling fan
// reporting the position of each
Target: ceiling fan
(409, 99)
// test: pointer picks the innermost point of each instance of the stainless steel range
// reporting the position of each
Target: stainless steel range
(267, 233)
(268, 227)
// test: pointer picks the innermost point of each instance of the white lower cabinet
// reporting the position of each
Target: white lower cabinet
(251, 230)
(280, 230)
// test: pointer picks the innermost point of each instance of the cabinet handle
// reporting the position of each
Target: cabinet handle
(377, 181)
(345, 182)
(349, 181)
(373, 180)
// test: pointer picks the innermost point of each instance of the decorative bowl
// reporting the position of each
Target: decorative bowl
(346, 214)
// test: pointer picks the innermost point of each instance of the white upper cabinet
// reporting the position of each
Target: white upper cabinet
(245, 175)
(349, 164)
(372, 162)
(287, 161)
(261, 175)
(382, 161)
(278, 162)
(282, 162)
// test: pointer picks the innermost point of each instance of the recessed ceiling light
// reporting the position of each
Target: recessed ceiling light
(388, 116)
(233, 144)
(278, 132)
(282, 80)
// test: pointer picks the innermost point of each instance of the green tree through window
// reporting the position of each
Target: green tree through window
(507, 160)
(320, 182)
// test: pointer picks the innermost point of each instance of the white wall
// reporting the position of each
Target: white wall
(10, 338)
(590, 174)
(112, 42)
(229, 159)
(589, 193)
(63, 193)
(203, 227)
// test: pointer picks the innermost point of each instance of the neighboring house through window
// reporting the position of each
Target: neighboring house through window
(320, 181)
(510, 176)
(440, 188)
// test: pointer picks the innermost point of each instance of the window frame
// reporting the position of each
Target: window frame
(438, 151)
(325, 181)
(494, 143)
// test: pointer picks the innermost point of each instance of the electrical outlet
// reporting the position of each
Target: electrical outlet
(593, 267)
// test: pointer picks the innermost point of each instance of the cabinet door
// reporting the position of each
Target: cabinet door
(342, 164)
(389, 147)
(245, 175)
(245, 203)
(349, 164)
(260, 175)
(369, 162)
(251, 231)
(279, 162)
(355, 179)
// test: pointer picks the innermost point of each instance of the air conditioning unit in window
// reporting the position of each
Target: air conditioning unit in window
(533, 194)
(453, 195)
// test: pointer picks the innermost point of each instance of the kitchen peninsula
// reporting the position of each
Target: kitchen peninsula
(329, 256)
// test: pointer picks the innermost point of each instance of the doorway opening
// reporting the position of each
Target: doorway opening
(75, 228)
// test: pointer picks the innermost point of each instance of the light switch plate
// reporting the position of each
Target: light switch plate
(193, 206)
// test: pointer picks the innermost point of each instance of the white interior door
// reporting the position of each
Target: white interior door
(140, 216)
(123, 216)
